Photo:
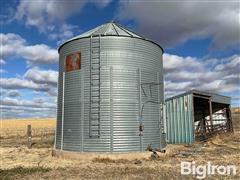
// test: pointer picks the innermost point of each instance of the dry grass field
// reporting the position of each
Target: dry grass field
(236, 118)
(20, 126)
(19, 162)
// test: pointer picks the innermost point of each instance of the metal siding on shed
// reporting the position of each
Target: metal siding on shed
(179, 112)
(217, 98)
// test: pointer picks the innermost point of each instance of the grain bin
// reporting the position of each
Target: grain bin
(110, 92)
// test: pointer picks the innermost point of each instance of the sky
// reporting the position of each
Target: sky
(200, 39)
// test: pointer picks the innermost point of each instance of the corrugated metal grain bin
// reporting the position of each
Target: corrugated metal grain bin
(197, 115)
(110, 92)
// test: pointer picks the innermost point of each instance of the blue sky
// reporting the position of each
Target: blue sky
(200, 39)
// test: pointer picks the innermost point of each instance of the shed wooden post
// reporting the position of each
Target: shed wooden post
(29, 136)
(229, 119)
(210, 115)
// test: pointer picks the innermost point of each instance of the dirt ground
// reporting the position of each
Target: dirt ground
(19, 162)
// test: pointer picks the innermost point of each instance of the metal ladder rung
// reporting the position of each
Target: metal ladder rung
(94, 126)
(96, 76)
(95, 84)
(95, 115)
(94, 136)
(95, 79)
(96, 57)
(98, 90)
(95, 93)
(96, 68)
(94, 107)
(95, 41)
(95, 63)
(94, 118)
(96, 44)
(95, 48)
(95, 101)
(95, 89)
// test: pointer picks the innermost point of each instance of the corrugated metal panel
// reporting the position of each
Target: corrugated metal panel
(152, 131)
(179, 114)
(121, 57)
(72, 111)
(214, 97)
(217, 98)
(125, 110)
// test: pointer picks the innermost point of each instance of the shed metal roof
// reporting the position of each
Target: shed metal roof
(217, 98)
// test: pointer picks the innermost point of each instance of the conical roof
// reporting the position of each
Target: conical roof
(109, 29)
(112, 29)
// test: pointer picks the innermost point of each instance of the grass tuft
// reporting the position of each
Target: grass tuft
(6, 174)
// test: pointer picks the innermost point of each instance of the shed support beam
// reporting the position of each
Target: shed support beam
(210, 115)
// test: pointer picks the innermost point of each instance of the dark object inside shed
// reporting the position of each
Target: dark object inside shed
(210, 117)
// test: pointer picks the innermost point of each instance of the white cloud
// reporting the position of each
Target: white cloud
(16, 83)
(22, 108)
(229, 64)
(173, 61)
(14, 105)
(43, 14)
(102, 3)
(13, 44)
(13, 93)
(174, 22)
(41, 76)
(2, 62)
(26, 112)
(186, 73)
(26, 103)
(64, 33)
(49, 17)
(3, 71)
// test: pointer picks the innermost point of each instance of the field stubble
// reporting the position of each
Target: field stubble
(19, 162)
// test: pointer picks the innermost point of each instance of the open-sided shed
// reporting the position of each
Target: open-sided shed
(197, 115)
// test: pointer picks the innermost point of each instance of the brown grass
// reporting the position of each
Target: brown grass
(235, 110)
(236, 118)
(13, 132)
(18, 127)
(18, 162)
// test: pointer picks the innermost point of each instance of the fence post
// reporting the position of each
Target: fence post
(29, 136)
